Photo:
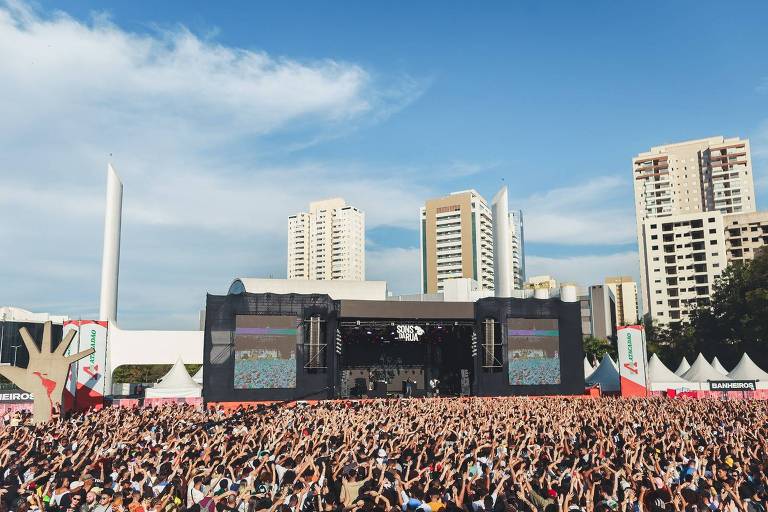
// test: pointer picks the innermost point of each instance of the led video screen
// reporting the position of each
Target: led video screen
(534, 351)
(265, 351)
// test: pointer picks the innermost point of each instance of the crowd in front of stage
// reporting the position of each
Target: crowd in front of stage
(419, 455)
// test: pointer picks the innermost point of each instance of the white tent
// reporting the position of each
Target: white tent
(588, 369)
(719, 367)
(683, 367)
(748, 370)
(606, 375)
(701, 371)
(660, 377)
(198, 376)
(175, 384)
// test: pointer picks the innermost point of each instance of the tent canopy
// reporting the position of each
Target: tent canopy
(175, 384)
(587, 367)
(198, 376)
(748, 370)
(659, 373)
(606, 375)
(683, 367)
(719, 367)
(702, 371)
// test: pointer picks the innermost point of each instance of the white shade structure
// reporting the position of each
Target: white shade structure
(606, 375)
(588, 369)
(719, 367)
(746, 369)
(198, 376)
(660, 377)
(683, 367)
(701, 371)
(175, 384)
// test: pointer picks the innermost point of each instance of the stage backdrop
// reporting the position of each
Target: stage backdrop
(256, 347)
(537, 347)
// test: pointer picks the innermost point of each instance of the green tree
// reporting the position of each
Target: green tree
(596, 348)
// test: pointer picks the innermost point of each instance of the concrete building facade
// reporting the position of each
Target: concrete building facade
(328, 242)
(518, 248)
(603, 312)
(543, 281)
(456, 234)
(624, 289)
(684, 254)
(586, 316)
(684, 180)
(745, 234)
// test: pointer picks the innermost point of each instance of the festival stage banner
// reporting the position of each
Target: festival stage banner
(632, 357)
(85, 382)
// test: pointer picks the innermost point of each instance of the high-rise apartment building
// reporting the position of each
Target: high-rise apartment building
(456, 233)
(328, 242)
(624, 290)
(675, 184)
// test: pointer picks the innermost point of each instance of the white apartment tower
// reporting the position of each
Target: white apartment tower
(456, 233)
(518, 248)
(328, 242)
(682, 191)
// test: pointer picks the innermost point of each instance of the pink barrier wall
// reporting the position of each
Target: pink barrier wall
(149, 402)
(11, 408)
(759, 394)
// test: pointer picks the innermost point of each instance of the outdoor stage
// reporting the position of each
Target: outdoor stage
(272, 347)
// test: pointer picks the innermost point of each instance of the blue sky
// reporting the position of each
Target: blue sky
(222, 120)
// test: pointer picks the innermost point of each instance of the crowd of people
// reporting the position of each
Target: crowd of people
(415, 455)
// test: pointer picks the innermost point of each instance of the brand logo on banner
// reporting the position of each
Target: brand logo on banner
(631, 344)
(85, 383)
(409, 332)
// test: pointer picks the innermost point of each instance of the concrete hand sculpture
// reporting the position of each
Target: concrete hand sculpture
(46, 373)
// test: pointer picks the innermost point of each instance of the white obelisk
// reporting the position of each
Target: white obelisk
(110, 259)
(502, 244)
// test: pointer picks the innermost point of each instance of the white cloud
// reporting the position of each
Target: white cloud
(585, 270)
(398, 266)
(598, 211)
(190, 125)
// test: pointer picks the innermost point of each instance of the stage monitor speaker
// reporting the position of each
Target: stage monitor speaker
(379, 392)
